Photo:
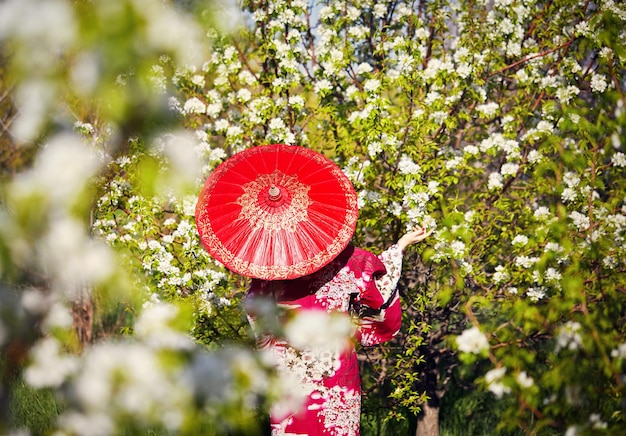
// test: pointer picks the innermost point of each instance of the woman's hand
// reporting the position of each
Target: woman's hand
(413, 237)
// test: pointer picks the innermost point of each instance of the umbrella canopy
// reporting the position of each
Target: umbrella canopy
(276, 212)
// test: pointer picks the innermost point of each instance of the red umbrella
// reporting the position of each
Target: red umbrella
(276, 212)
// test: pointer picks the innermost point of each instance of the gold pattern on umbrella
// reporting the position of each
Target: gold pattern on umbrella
(275, 201)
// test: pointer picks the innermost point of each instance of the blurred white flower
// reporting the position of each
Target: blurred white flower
(619, 160)
(568, 336)
(488, 110)
(472, 341)
(524, 380)
(535, 294)
(170, 30)
(596, 421)
(62, 169)
(374, 148)
(85, 74)
(525, 261)
(72, 258)
(58, 316)
(179, 147)
(552, 275)
(296, 101)
(565, 93)
(619, 352)
(494, 382)
(571, 179)
(87, 424)
(457, 248)
(520, 240)
(49, 366)
(454, 162)
(35, 301)
(542, 213)
(317, 329)
(364, 67)
(129, 379)
(471, 149)
(154, 327)
(322, 86)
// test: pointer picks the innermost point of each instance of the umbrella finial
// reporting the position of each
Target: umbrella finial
(274, 193)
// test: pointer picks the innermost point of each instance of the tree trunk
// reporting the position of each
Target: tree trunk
(82, 316)
(428, 421)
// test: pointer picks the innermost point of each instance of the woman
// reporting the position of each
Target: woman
(356, 283)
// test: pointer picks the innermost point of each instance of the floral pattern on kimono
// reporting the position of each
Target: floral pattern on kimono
(356, 282)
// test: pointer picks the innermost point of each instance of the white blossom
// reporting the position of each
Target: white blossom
(296, 101)
(493, 378)
(454, 162)
(374, 148)
(495, 181)
(500, 275)
(568, 195)
(524, 380)
(407, 165)
(50, 367)
(571, 179)
(153, 326)
(458, 248)
(316, 329)
(194, 106)
(542, 213)
(371, 85)
(322, 86)
(534, 156)
(535, 294)
(568, 336)
(565, 94)
(364, 68)
(598, 83)
(379, 10)
(520, 240)
(580, 220)
(509, 169)
(471, 149)
(619, 352)
(596, 421)
(472, 340)
(619, 160)
(488, 110)
(552, 275)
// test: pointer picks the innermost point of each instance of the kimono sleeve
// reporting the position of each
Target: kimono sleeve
(381, 321)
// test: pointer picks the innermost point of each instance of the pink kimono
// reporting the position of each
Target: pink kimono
(356, 282)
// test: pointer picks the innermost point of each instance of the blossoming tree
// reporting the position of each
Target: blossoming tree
(501, 133)
(498, 124)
